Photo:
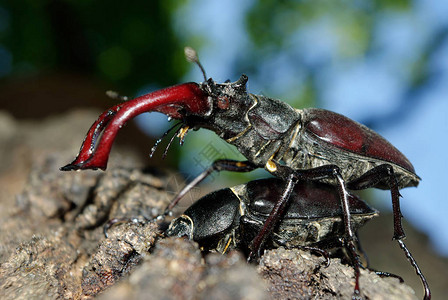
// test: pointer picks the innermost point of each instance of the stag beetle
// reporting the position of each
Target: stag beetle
(230, 218)
(292, 144)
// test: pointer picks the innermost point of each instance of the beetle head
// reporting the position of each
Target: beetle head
(230, 103)
(218, 107)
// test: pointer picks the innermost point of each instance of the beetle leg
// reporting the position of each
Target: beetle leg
(383, 274)
(385, 174)
(354, 257)
(271, 221)
(327, 172)
(217, 165)
(292, 177)
(322, 252)
(417, 269)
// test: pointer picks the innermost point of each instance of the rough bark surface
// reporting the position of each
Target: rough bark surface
(53, 246)
(295, 274)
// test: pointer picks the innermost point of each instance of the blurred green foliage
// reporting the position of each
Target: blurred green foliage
(133, 45)
(127, 45)
(354, 20)
(271, 26)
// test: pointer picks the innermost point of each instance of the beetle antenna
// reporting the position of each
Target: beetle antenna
(153, 149)
(192, 56)
(115, 95)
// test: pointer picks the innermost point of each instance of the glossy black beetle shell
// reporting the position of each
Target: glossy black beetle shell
(231, 217)
(209, 219)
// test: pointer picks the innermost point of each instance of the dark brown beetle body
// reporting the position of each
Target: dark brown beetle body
(311, 138)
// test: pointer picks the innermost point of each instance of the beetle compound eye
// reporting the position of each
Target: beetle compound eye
(223, 102)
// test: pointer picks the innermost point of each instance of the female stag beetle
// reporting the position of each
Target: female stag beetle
(230, 218)
(292, 144)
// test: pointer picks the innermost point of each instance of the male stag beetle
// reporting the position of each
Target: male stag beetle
(292, 144)
(230, 218)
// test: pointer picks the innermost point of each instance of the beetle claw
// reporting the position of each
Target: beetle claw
(69, 167)
(187, 98)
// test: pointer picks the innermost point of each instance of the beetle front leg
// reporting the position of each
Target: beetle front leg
(217, 166)
(272, 220)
